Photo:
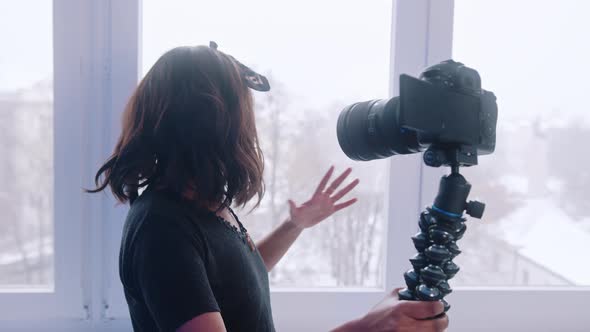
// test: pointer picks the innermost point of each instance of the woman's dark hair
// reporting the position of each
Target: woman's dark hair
(188, 129)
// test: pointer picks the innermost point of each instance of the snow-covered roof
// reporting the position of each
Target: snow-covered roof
(548, 236)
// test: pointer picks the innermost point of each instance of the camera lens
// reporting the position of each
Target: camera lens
(370, 130)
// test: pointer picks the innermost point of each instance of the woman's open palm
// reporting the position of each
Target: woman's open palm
(324, 202)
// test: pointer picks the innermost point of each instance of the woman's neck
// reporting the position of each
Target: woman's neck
(191, 195)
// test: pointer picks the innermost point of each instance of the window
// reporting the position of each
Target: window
(536, 185)
(26, 132)
(421, 34)
(41, 143)
(316, 66)
(70, 90)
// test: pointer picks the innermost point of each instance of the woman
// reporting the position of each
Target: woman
(186, 261)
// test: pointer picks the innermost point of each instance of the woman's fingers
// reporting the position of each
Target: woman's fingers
(345, 190)
(324, 181)
(338, 181)
(344, 205)
(421, 309)
(437, 324)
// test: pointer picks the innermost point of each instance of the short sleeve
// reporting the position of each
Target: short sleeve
(171, 275)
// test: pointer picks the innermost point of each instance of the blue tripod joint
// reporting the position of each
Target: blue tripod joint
(446, 213)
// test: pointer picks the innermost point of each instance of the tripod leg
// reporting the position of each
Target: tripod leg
(432, 266)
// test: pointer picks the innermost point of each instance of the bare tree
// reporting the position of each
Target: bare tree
(299, 145)
(352, 241)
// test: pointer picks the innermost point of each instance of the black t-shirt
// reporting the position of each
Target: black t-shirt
(177, 262)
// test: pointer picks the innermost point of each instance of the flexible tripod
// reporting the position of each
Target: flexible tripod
(441, 226)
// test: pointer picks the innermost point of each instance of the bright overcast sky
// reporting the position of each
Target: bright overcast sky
(26, 39)
(533, 53)
(323, 51)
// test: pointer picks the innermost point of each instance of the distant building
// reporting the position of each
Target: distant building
(26, 194)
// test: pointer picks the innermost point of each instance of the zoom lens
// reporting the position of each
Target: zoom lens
(370, 130)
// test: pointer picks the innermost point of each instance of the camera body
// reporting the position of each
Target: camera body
(444, 111)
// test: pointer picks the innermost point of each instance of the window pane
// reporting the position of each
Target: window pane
(319, 57)
(534, 56)
(26, 136)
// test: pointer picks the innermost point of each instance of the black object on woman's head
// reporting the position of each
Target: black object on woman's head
(253, 80)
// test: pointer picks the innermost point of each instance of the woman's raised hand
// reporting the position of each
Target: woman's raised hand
(324, 201)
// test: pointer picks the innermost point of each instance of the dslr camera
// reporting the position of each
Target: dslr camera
(444, 111)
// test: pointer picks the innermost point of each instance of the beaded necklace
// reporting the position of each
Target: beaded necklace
(242, 232)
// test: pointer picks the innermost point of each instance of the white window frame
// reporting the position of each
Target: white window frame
(85, 57)
(64, 299)
(97, 65)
